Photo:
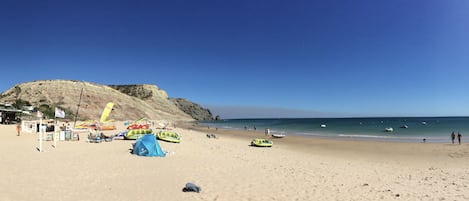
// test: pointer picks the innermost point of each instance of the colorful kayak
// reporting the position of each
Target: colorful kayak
(108, 127)
(168, 136)
(138, 126)
(261, 143)
(137, 133)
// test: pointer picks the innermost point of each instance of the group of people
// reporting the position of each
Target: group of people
(246, 128)
(453, 137)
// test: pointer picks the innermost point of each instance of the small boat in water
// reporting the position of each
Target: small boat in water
(389, 129)
(261, 143)
(404, 126)
(424, 123)
(323, 126)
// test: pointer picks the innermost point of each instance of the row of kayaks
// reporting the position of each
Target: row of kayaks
(176, 138)
(161, 135)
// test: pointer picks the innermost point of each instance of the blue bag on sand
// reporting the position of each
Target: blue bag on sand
(190, 187)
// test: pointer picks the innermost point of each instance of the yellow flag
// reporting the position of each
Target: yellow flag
(107, 110)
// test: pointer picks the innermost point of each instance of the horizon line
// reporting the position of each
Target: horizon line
(247, 118)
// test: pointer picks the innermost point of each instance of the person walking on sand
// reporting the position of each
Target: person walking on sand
(453, 136)
(18, 128)
(459, 137)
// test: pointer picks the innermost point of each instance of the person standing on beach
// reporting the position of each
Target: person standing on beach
(267, 132)
(453, 136)
(459, 137)
(18, 128)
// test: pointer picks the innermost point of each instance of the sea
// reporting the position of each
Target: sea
(404, 129)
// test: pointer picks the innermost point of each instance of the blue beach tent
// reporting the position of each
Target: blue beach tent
(147, 145)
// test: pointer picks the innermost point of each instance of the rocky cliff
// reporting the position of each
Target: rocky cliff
(130, 101)
(193, 109)
(148, 92)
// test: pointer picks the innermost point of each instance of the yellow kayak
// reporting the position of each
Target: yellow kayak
(137, 133)
(168, 136)
(261, 143)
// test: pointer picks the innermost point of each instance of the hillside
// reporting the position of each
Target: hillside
(130, 101)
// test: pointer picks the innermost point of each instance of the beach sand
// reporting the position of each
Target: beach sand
(228, 168)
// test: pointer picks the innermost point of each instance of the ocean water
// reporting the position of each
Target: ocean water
(432, 129)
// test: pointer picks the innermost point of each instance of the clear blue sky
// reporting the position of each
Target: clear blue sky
(261, 58)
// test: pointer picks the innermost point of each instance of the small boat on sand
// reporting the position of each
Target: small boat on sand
(261, 143)
(137, 133)
(278, 135)
(168, 136)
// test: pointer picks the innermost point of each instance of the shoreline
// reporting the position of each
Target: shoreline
(356, 136)
(345, 147)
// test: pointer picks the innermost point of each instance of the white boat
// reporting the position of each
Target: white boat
(323, 126)
(404, 126)
(389, 129)
(278, 135)
(424, 123)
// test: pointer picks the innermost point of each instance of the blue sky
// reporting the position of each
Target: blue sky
(253, 58)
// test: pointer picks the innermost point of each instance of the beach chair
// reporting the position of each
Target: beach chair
(48, 136)
(94, 138)
(75, 136)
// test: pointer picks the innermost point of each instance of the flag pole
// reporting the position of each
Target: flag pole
(40, 134)
(78, 107)
(55, 132)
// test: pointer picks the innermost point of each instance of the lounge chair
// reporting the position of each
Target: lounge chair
(48, 136)
(94, 138)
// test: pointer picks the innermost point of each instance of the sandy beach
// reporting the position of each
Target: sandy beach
(228, 168)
